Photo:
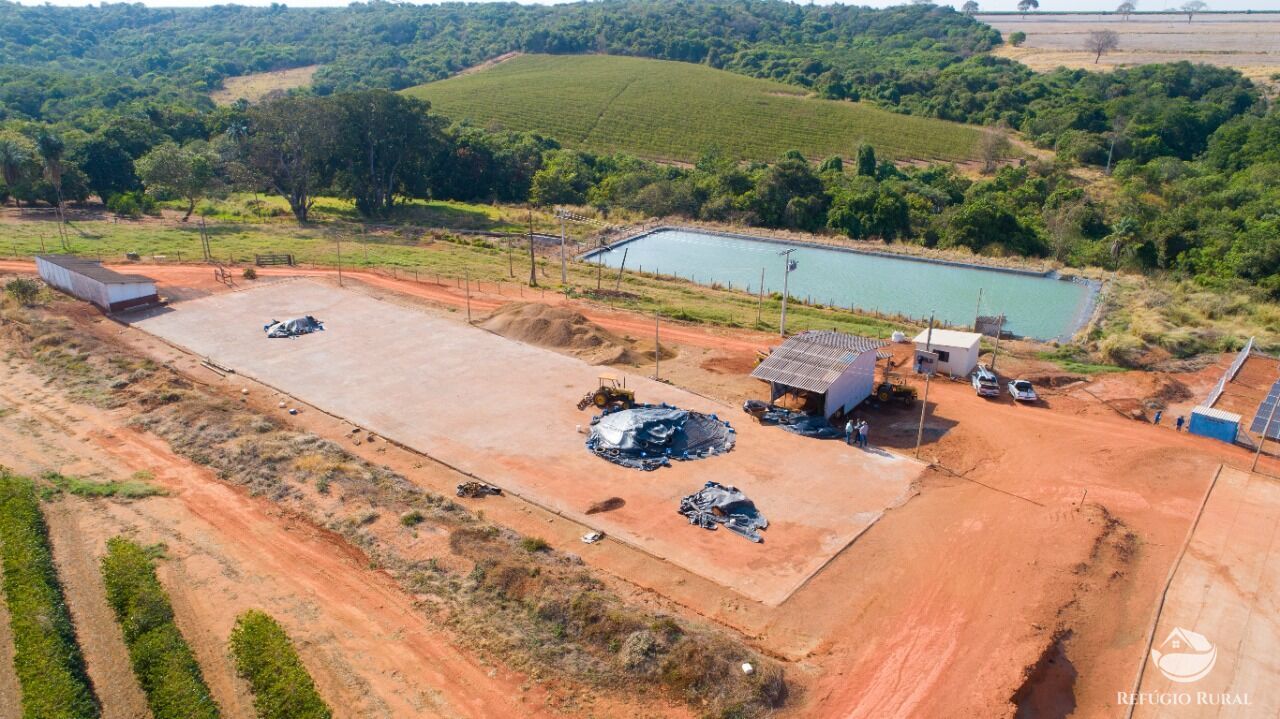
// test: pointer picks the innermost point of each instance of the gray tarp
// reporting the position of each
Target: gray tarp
(294, 327)
(649, 436)
(717, 504)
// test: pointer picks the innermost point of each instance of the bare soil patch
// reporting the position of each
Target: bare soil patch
(261, 85)
(559, 328)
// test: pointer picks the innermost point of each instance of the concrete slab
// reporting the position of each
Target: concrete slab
(504, 411)
(1227, 589)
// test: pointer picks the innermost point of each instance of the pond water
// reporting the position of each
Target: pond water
(1036, 306)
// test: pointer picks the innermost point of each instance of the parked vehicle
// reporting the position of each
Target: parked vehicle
(985, 382)
(1022, 391)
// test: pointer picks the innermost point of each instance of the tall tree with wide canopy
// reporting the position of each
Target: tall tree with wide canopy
(185, 172)
(289, 146)
(387, 146)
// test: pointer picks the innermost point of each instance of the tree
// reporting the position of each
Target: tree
(387, 145)
(866, 160)
(1026, 6)
(51, 149)
(1017, 38)
(563, 180)
(182, 172)
(1194, 7)
(15, 160)
(1099, 42)
(289, 145)
(970, 8)
(835, 164)
(993, 147)
(1127, 8)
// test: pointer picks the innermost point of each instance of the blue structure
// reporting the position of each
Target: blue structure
(1215, 423)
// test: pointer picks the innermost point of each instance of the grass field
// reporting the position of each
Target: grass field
(674, 111)
(256, 86)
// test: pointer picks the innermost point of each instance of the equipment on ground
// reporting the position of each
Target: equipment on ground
(611, 394)
(476, 490)
(293, 328)
(895, 391)
(715, 504)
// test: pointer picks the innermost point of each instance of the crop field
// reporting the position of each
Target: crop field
(675, 111)
(1249, 43)
(258, 85)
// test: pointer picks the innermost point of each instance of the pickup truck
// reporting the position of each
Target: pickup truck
(985, 382)
(1022, 391)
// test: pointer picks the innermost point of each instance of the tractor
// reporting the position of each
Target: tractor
(894, 388)
(611, 394)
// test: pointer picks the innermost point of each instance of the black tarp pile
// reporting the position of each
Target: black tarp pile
(807, 425)
(716, 504)
(650, 436)
(294, 327)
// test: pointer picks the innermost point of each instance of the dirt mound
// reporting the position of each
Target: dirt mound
(559, 328)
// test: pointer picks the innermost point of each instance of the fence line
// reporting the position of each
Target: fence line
(1230, 374)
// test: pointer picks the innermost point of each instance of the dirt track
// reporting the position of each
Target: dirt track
(372, 651)
(942, 605)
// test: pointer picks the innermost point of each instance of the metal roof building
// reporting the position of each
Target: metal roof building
(839, 368)
(90, 281)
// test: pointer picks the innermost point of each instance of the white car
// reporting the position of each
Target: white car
(1022, 391)
(985, 382)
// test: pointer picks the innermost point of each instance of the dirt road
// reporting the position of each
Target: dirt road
(372, 650)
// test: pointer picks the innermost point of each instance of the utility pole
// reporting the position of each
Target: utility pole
(760, 303)
(977, 312)
(996, 351)
(1263, 439)
(467, 274)
(511, 265)
(928, 378)
(533, 264)
(787, 265)
(338, 239)
(657, 347)
(564, 262)
(600, 265)
(617, 287)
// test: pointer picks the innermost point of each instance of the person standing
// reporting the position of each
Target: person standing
(1159, 414)
(1181, 421)
(848, 432)
(862, 435)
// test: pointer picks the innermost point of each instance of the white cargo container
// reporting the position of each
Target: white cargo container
(90, 281)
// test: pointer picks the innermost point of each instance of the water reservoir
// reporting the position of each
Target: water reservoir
(1037, 306)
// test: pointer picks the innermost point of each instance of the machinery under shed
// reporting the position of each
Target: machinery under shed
(90, 281)
(836, 368)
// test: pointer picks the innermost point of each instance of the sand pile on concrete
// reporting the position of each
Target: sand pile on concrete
(559, 328)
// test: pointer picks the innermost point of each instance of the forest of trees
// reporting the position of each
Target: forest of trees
(112, 102)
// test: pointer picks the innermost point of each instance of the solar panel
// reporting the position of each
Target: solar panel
(1267, 410)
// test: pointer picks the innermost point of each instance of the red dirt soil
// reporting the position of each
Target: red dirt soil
(940, 608)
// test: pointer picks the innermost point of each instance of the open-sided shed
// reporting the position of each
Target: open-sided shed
(90, 281)
(838, 367)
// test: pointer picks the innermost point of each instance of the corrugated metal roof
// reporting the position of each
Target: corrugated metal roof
(1217, 414)
(813, 360)
(93, 270)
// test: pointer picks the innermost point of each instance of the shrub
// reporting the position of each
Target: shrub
(23, 290)
(250, 273)
(132, 204)
(282, 688)
(412, 518)
(46, 658)
(534, 544)
(1017, 38)
(162, 661)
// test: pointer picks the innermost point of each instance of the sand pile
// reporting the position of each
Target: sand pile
(559, 328)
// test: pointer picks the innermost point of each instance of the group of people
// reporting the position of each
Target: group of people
(855, 433)
(1178, 425)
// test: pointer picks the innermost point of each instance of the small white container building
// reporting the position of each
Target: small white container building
(90, 281)
(957, 351)
(836, 369)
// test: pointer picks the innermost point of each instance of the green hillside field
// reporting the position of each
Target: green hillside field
(674, 111)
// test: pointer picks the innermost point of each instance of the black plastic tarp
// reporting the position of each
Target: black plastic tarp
(716, 504)
(650, 436)
(294, 327)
